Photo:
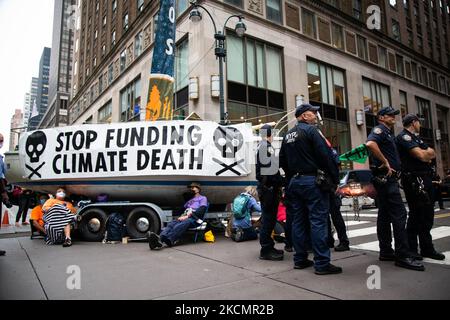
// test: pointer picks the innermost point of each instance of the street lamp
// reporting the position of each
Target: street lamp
(195, 15)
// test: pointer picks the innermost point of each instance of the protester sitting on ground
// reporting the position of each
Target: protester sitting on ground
(284, 225)
(243, 206)
(59, 214)
(195, 209)
(37, 215)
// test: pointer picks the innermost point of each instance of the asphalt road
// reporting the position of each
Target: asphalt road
(220, 271)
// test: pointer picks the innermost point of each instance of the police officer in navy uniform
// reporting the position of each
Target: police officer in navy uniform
(417, 174)
(269, 193)
(386, 165)
(305, 156)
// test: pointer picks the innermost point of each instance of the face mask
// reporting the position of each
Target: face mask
(1, 145)
(61, 195)
(42, 201)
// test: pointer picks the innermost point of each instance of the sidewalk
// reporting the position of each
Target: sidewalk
(220, 271)
(11, 229)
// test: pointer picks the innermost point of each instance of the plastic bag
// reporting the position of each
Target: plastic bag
(209, 236)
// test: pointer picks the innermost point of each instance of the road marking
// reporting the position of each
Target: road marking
(436, 233)
(355, 223)
(444, 215)
(446, 261)
(361, 232)
(364, 215)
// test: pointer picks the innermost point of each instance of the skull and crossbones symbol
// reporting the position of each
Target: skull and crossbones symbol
(229, 141)
(34, 148)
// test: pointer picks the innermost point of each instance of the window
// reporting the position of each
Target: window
(403, 103)
(100, 84)
(234, 2)
(252, 94)
(395, 30)
(414, 71)
(130, 101)
(113, 38)
(357, 9)
(123, 60)
(326, 88)
(292, 16)
(376, 96)
(182, 5)
(337, 36)
(308, 23)
(382, 57)
(138, 44)
(125, 22)
(103, 50)
(326, 84)
(400, 66)
(104, 21)
(362, 47)
(424, 111)
(110, 73)
(105, 113)
(273, 9)
(114, 6)
(140, 5)
(181, 100)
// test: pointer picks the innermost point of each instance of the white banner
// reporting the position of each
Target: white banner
(196, 148)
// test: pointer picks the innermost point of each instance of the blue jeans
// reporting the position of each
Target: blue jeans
(309, 208)
(175, 230)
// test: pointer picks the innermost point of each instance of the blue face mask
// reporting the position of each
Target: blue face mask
(42, 201)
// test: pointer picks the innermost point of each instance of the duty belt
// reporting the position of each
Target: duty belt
(300, 174)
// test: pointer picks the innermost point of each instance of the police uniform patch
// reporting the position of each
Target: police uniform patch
(377, 131)
(407, 137)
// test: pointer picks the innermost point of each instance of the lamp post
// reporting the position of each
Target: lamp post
(220, 51)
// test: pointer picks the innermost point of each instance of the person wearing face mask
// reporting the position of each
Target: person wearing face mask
(59, 214)
(417, 181)
(306, 158)
(194, 212)
(37, 215)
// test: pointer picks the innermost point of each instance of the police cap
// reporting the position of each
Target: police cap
(305, 107)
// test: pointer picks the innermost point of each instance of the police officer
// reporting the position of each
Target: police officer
(417, 174)
(385, 165)
(269, 193)
(305, 156)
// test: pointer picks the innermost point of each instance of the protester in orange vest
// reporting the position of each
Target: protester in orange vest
(37, 215)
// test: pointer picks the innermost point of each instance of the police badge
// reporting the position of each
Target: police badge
(377, 131)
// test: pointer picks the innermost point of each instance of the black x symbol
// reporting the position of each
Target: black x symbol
(227, 167)
(34, 171)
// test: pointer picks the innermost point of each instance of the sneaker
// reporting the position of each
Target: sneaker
(434, 255)
(409, 263)
(153, 241)
(67, 243)
(330, 269)
(342, 247)
(2, 252)
(26, 223)
(18, 225)
(288, 248)
(304, 264)
(278, 251)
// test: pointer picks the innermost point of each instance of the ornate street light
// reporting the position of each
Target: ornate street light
(220, 51)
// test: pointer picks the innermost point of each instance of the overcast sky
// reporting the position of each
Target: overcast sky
(25, 29)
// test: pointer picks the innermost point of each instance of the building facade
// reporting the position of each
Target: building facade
(60, 64)
(42, 92)
(349, 57)
(16, 129)
(30, 98)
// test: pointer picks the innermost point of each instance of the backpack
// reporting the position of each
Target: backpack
(240, 206)
(115, 227)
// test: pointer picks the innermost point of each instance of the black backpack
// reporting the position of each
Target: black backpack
(115, 227)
